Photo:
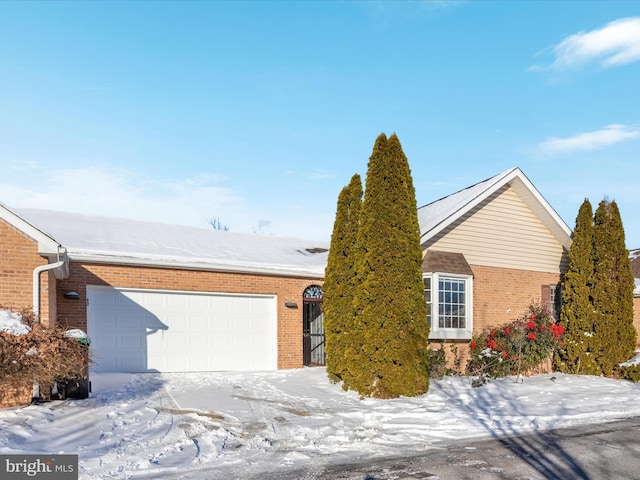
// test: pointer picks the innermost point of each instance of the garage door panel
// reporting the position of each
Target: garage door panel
(199, 324)
(177, 343)
(105, 320)
(106, 299)
(133, 322)
(199, 343)
(199, 302)
(146, 330)
(134, 342)
(221, 343)
(131, 363)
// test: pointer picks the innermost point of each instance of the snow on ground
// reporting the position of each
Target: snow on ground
(239, 425)
(11, 322)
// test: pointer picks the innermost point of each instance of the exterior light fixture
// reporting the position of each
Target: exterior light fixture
(72, 295)
(291, 304)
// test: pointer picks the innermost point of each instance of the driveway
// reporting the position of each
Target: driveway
(597, 452)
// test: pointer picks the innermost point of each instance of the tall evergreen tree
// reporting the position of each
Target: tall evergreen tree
(391, 359)
(576, 315)
(340, 281)
(612, 289)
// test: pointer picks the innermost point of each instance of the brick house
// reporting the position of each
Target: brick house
(490, 251)
(156, 297)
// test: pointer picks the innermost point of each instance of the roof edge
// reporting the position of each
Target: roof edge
(491, 188)
(547, 206)
(47, 245)
(501, 180)
(212, 267)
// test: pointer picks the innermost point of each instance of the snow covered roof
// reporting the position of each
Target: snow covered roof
(436, 216)
(119, 240)
(46, 244)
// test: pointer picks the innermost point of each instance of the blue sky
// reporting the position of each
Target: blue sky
(258, 113)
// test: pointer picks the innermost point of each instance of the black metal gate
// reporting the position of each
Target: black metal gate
(312, 327)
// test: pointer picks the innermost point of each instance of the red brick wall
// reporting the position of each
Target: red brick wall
(18, 258)
(503, 294)
(73, 313)
(499, 296)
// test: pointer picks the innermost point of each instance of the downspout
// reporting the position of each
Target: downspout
(35, 399)
(36, 283)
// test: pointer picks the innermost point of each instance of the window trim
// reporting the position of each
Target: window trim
(437, 333)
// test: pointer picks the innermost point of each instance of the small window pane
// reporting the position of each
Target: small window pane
(451, 303)
(427, 297)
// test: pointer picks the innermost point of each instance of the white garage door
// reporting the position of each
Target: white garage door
(134, 330)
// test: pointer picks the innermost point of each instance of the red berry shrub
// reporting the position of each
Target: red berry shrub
(518, 347)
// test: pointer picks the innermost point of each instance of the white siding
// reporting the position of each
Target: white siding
(503, 232)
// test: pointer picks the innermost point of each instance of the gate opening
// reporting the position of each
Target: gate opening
(312, 327)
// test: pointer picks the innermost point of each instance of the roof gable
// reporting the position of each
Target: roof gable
(47, 245)
(436, 216)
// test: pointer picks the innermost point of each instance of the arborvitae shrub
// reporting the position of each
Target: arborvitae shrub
(597, 310)
(391, 358)
(340, 281)
(615, 334)
(577, 314)
(631, 372)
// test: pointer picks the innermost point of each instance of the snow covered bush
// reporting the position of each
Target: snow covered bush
(30, 350)
(518, 347)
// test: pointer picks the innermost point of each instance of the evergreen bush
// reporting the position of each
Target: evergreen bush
(597, 310)
(390, 358)
(615, 334)
(577, 315)
(630, 372)
(438, 368)
(340, 281)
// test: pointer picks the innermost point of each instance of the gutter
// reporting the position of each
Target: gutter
(200, 266)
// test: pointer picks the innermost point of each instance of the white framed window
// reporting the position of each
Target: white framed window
(449, 300)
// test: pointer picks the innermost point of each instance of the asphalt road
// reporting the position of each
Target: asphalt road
(608, 451)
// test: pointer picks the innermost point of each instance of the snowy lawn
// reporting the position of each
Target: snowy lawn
(236, 425)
